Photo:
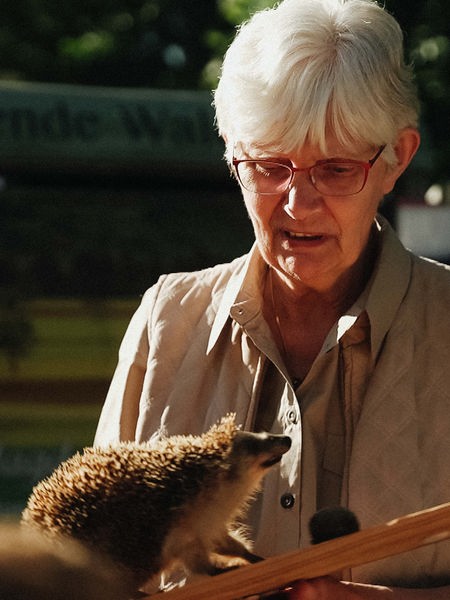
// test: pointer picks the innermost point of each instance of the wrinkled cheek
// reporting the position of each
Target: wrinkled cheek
(262, 235)
(263, 232)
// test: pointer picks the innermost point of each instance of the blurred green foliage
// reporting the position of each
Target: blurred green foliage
(237, 11)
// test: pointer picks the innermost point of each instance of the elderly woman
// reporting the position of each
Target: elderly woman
(329, 330)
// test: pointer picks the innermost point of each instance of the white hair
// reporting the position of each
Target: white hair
(308, 68)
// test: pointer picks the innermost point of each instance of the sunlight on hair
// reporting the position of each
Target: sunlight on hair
(304, 70)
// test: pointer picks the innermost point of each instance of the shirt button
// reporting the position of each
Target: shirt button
(291, 416)
(287, 500)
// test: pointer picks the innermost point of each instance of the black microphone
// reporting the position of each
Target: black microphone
(329, 523)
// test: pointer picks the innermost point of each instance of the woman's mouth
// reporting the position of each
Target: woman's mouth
(304, 237)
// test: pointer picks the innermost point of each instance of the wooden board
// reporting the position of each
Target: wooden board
(397, 536)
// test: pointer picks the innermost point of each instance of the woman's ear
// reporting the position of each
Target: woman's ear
(406, 146)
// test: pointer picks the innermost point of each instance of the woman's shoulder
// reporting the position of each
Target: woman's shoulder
(209, 278)
(195, 289)
(429, 294)
(431, 273)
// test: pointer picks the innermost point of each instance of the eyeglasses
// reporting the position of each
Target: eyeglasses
(333, 177)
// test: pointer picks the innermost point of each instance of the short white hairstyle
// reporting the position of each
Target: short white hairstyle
(307, 68)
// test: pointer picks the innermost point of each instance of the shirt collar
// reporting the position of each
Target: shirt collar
(383, 293)
(242, 296)
(388, 284)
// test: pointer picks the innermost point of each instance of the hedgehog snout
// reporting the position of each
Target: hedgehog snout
(277, 445)
(266, 448)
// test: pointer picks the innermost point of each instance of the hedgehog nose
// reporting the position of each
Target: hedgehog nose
(287, 441)
(282, 441)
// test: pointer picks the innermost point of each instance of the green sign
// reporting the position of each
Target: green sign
(100, 130)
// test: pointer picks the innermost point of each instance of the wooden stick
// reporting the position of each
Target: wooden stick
(397, 536)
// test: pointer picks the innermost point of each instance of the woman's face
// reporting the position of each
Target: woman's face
(310, 237)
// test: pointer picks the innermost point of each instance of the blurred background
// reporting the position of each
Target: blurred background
(111, 174)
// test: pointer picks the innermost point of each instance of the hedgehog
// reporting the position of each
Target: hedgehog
(155, 505)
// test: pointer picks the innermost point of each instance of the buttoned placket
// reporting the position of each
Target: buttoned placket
(281, 486)
(279, 527)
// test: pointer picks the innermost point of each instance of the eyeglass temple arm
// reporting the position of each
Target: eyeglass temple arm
(372, 160)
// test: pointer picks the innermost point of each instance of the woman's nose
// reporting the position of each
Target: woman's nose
(301, 198)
